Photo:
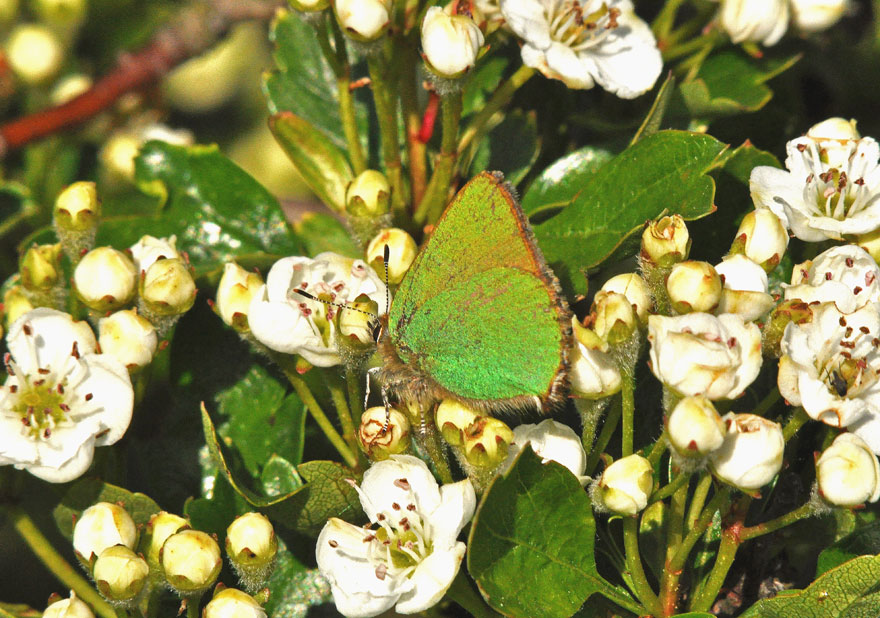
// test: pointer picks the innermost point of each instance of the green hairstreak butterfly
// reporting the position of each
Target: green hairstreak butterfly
(479, 317)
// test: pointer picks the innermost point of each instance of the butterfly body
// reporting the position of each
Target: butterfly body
(479, 317)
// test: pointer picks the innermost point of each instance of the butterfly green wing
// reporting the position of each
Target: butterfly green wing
(479, 313)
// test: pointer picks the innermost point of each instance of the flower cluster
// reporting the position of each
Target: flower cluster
(766, 21)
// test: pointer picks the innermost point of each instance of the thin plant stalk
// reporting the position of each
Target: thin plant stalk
(444, 163)
(386, 113)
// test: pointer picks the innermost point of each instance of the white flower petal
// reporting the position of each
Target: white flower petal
(635, 63)
(54, 334)
(431, 580)
(458, 501)
(400, 480)
(73, 468)
(112, 395)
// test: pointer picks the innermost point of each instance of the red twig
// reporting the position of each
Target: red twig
(194, 30)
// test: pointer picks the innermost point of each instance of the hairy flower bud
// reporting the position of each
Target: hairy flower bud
(105, 279)
(625, 485)
(35, 53)
(161, 525)
(234, 294)
(252, 547)
(760, 21)
(615, 319)
(363, 20)
(383, 433)
(100, 526)
(149, 249)
(746, 288)
(694, 286)
(368, 195)
(232, 603)
(694, 427)
(357, 323)
(816, 15)
(129, 337)
(552, 441)
(191, 561)
(452, 418)
(120, 574)
(168, 288)
(834, 137)
(486, 441)
(450, 42)
(68, 608)
(15, 304)
(751, 454)
(594, 373)
(762, 238)
(77, 208)
(635, 289)
(40, 267)
(402, 250)
(665, 242)
(848, 473)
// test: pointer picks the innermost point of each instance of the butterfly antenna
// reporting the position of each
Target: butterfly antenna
(386, 257)
(335, 304)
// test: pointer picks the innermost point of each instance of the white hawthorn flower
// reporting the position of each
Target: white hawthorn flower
(848, 473)
(450, 42)
(830, 366)
(61, 398)
(363, 20)
(746, 288)
(762, 238)
(761, 21)
(411, 559)
(149, 249)
(129, 337)
(816, 15)
(288, 322)
(625, 485)
(68, 608)
(552, 441)
(701, 354)
(751, 454)
(694, 427)
(587, 42)
(829, 189)
(846, 275)
(100, 526)
(593, 372)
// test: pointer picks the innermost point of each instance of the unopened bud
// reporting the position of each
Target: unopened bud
(594, 374)
(363, 20)
(694, 286)
(168, 288)
(120, 574)
(746, 288)
(835, 128)
(450, 42)
(402, 250)
(452, 419)
(105, 279)
(751, 454)
(69, 87)
(762, 238)
(77, 208)
(149, 249)
(252, 546)
(816, 15)
(636, 291)
(40, 267)
(665, 242)
(232, 603)
(68, 608)
(234, 294)
(191, 561)
(848, 473)
(625, 485)
(159, 528)
(368, 195)
(615, 318)
(34, 53)
(787, 312)
(15, 304)
(117, 156)
(357, 322)
(486, 441)
(551, 441)
(694, 427)
(129, 337)
(383, 433)
(100, 526)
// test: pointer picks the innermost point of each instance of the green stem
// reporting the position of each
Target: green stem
(698, 500)
(727, 549)
(641, 587)
(349, 431)
(499, 99)
(611, 420)
(312, 405)
(610, 592)
(57, 565)
(669, 583)
(429, 438)
(353, 380)
(658, 449)
(444, 166)
(192, 606)
(417, 151)
(718, 502)
(628, 407)
(767, 403)
(464, 594)
(591, 412)
(665, 19)
(12, 221)
(386, 113)
(346, 103)
(802, 512)
(670, 488)
(795, 422)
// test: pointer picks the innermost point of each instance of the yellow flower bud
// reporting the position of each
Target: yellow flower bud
(383, 433)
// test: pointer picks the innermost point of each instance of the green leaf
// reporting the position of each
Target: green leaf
(731, 82)
(262, 420)
(557, 185)
(864, 540)
(480, 84)
(323, 166)
(279, 477)
(841, 592)
(293, 588)
(654, 118)
(665, 173)
(86, 492)
(531, 542)
(511, 147)
(321, 232)
(218, 212)
(326, 492)
(746, 157)
(305, 83)
(16, 610)
(215, 512)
